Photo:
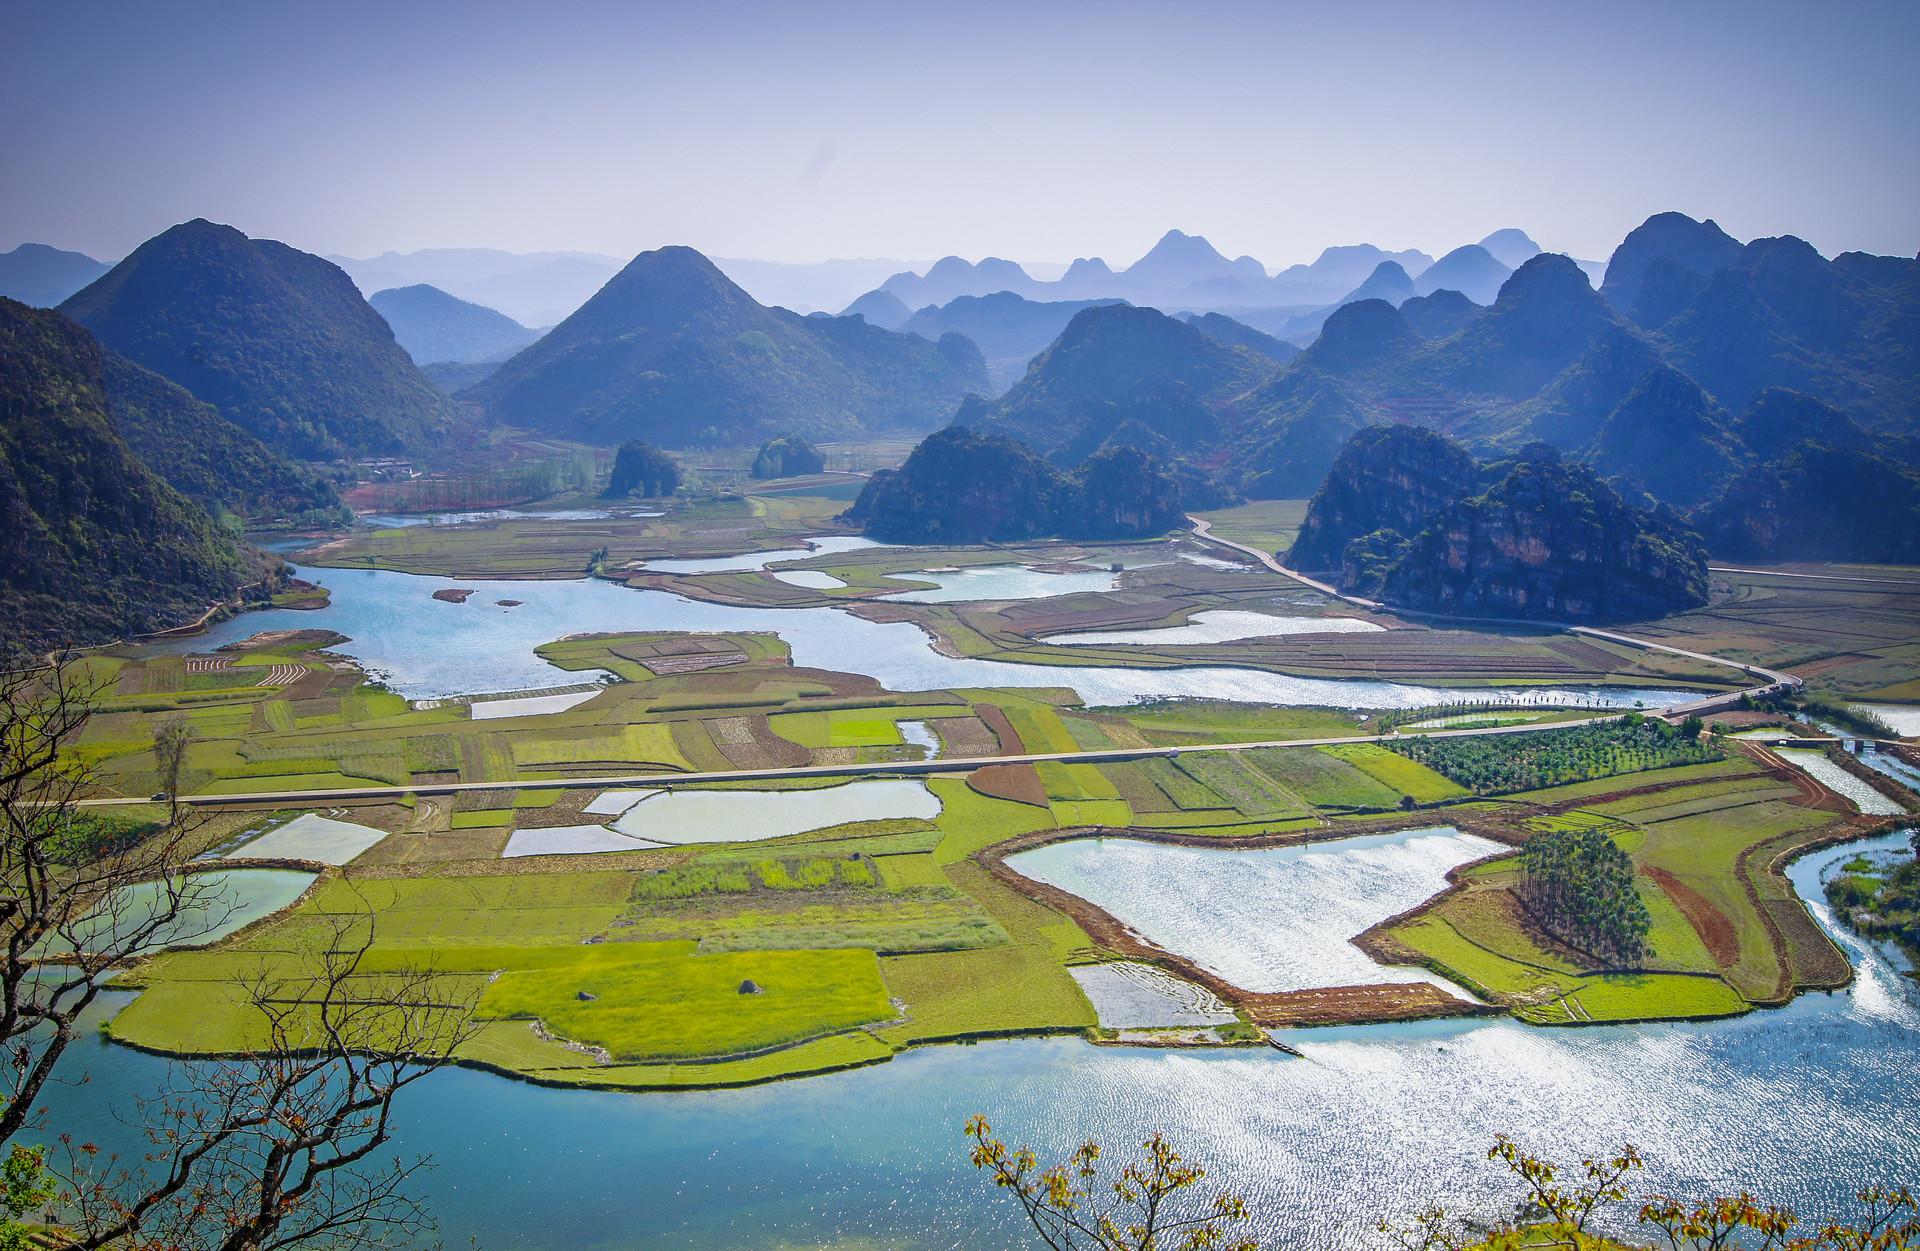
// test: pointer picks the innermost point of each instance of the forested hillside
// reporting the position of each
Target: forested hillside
(93, 545)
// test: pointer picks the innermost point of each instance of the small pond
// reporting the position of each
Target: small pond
(392, 521)
(220, 902)
(812, 579)
(830, 545)
(986, 582)
(528, 705)
(1904, 718)
(1277, 918)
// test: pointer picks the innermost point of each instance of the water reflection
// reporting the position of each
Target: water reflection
(427, 648)
(1802, 1103)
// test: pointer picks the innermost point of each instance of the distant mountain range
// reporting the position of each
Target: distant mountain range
(434, 327)
(1669, 400)
(672, 351)
(276, 339)
(1008, 329)
(42, 277)
(532, 288)
(1184, 272)
(542, 288)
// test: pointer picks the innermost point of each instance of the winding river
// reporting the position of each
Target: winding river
(426, 648)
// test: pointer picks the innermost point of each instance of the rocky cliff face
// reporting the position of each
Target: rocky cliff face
(1818, 502)
(1385, 478)
(1551, 541)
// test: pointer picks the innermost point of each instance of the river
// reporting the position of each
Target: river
(425, 648)
(1802, 1103)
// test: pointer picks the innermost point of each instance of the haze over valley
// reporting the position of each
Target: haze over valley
(1349, 697)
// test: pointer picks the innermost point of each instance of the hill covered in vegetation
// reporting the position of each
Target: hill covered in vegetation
(642, 469)
(434, 327)
(95, 545)
(787, 456)
(1659, 381)
(966, 486)
(279, 341)
(207, 458)
(672, 351)
(1405, 516)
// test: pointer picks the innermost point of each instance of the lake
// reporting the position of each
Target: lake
(1802, 1103)
(426, 648)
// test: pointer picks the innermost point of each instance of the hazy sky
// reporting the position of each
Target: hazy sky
(1032, 130)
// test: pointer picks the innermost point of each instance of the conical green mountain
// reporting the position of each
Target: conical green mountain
(279, 341)
(1114, 365)
(672, 351)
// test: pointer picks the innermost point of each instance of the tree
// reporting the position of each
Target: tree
(1580, 886)
(1144, 1208)
(269, 1149)
(171, 738)
(277, 1147)
(96, 893)
(642, 469)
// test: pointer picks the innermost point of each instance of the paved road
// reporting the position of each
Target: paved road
(1815, 577)
(1201, 529)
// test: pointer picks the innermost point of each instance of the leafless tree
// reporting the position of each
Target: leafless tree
(274, 1147)
(79, 895)
(171, 738)
(281, 1146)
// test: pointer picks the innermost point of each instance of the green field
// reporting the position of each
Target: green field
(662, 1001)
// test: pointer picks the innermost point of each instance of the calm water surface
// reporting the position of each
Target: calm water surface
(1803, 1103)
(1279, 918)
(427, 648)
(1220, 625)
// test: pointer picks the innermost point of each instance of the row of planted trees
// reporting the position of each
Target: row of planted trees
(1501, 764)
(1579, 885)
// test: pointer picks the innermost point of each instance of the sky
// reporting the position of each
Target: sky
(1036, 130)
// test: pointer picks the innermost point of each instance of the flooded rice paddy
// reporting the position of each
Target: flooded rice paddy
(994, 582)
(676, 818)
(1838, 780)
(1277, 918)
(310, 836)
(1220, 625)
